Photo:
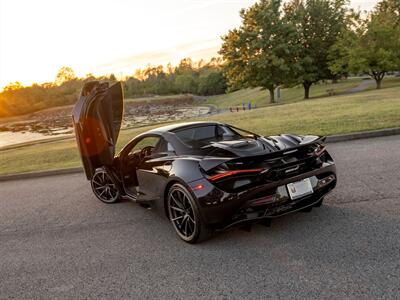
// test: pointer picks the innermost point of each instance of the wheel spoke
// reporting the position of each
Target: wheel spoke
(180, 197)
(177, 202)
(100, 188)
(177, 218)
(190, 225)
(186, 225)
(95, 182)
(182, 226)
(187, 204)
(191, 219)
(177, 209)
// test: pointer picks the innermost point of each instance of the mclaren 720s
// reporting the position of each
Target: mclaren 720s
(205, 176)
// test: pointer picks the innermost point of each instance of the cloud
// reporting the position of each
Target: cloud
(196, 50)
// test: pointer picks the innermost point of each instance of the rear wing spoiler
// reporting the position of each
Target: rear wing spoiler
(210, 162)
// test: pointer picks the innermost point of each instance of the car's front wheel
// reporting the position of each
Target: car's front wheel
(185, 216)
(104, 187)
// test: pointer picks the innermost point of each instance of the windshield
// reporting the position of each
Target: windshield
(203, 135)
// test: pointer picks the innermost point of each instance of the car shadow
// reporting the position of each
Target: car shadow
(330, 223)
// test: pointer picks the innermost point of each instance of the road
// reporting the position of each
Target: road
(58, 242)
(361, 87)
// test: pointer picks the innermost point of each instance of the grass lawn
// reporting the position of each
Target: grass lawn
(368, 110)
(288, 95)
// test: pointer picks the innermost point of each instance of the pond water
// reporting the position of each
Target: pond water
(50, 124)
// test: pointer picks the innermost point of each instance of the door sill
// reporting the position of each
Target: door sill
(130, 197)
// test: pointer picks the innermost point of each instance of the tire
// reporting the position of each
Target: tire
(319, 203)
(104, 187)
(184, 214)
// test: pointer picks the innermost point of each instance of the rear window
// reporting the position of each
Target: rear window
(196, 134)
(200, 136)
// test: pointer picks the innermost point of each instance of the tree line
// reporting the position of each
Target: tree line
(201, 78)
(306, 41)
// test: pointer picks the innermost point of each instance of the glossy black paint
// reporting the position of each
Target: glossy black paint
(146, 176)
(97, 118)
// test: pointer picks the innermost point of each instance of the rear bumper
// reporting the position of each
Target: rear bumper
(278, 211)
(221, 210)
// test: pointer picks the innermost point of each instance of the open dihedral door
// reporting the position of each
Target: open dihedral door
(97, 118)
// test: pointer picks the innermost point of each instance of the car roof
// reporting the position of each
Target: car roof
(174, 127)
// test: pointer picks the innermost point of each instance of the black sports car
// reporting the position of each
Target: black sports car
(207, 176)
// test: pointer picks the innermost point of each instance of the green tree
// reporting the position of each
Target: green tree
(373, 47)
(185, 83)
(12, 86)
(258, 53)
(89, 77)
(339, 52)
(65, 74)
(391, 7)
(112, 77)
(185, 66)
(318, 24)
(214, 83)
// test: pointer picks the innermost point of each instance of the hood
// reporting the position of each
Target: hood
(97, 118)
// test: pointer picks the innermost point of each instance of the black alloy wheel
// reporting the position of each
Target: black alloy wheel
(104, 187)
(185, 216)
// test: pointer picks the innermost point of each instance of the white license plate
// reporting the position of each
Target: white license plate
(300, 188)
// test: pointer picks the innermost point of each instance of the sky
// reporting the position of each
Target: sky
(111, 36)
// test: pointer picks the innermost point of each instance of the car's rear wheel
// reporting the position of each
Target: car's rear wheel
(104, 187)
(185, 216)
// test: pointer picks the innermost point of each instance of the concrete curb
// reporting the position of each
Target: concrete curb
(329, 139)
(29, 175)
(362, 135)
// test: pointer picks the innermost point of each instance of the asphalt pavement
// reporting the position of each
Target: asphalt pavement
(57, 241)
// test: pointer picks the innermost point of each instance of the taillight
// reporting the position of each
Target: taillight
(232, 173)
